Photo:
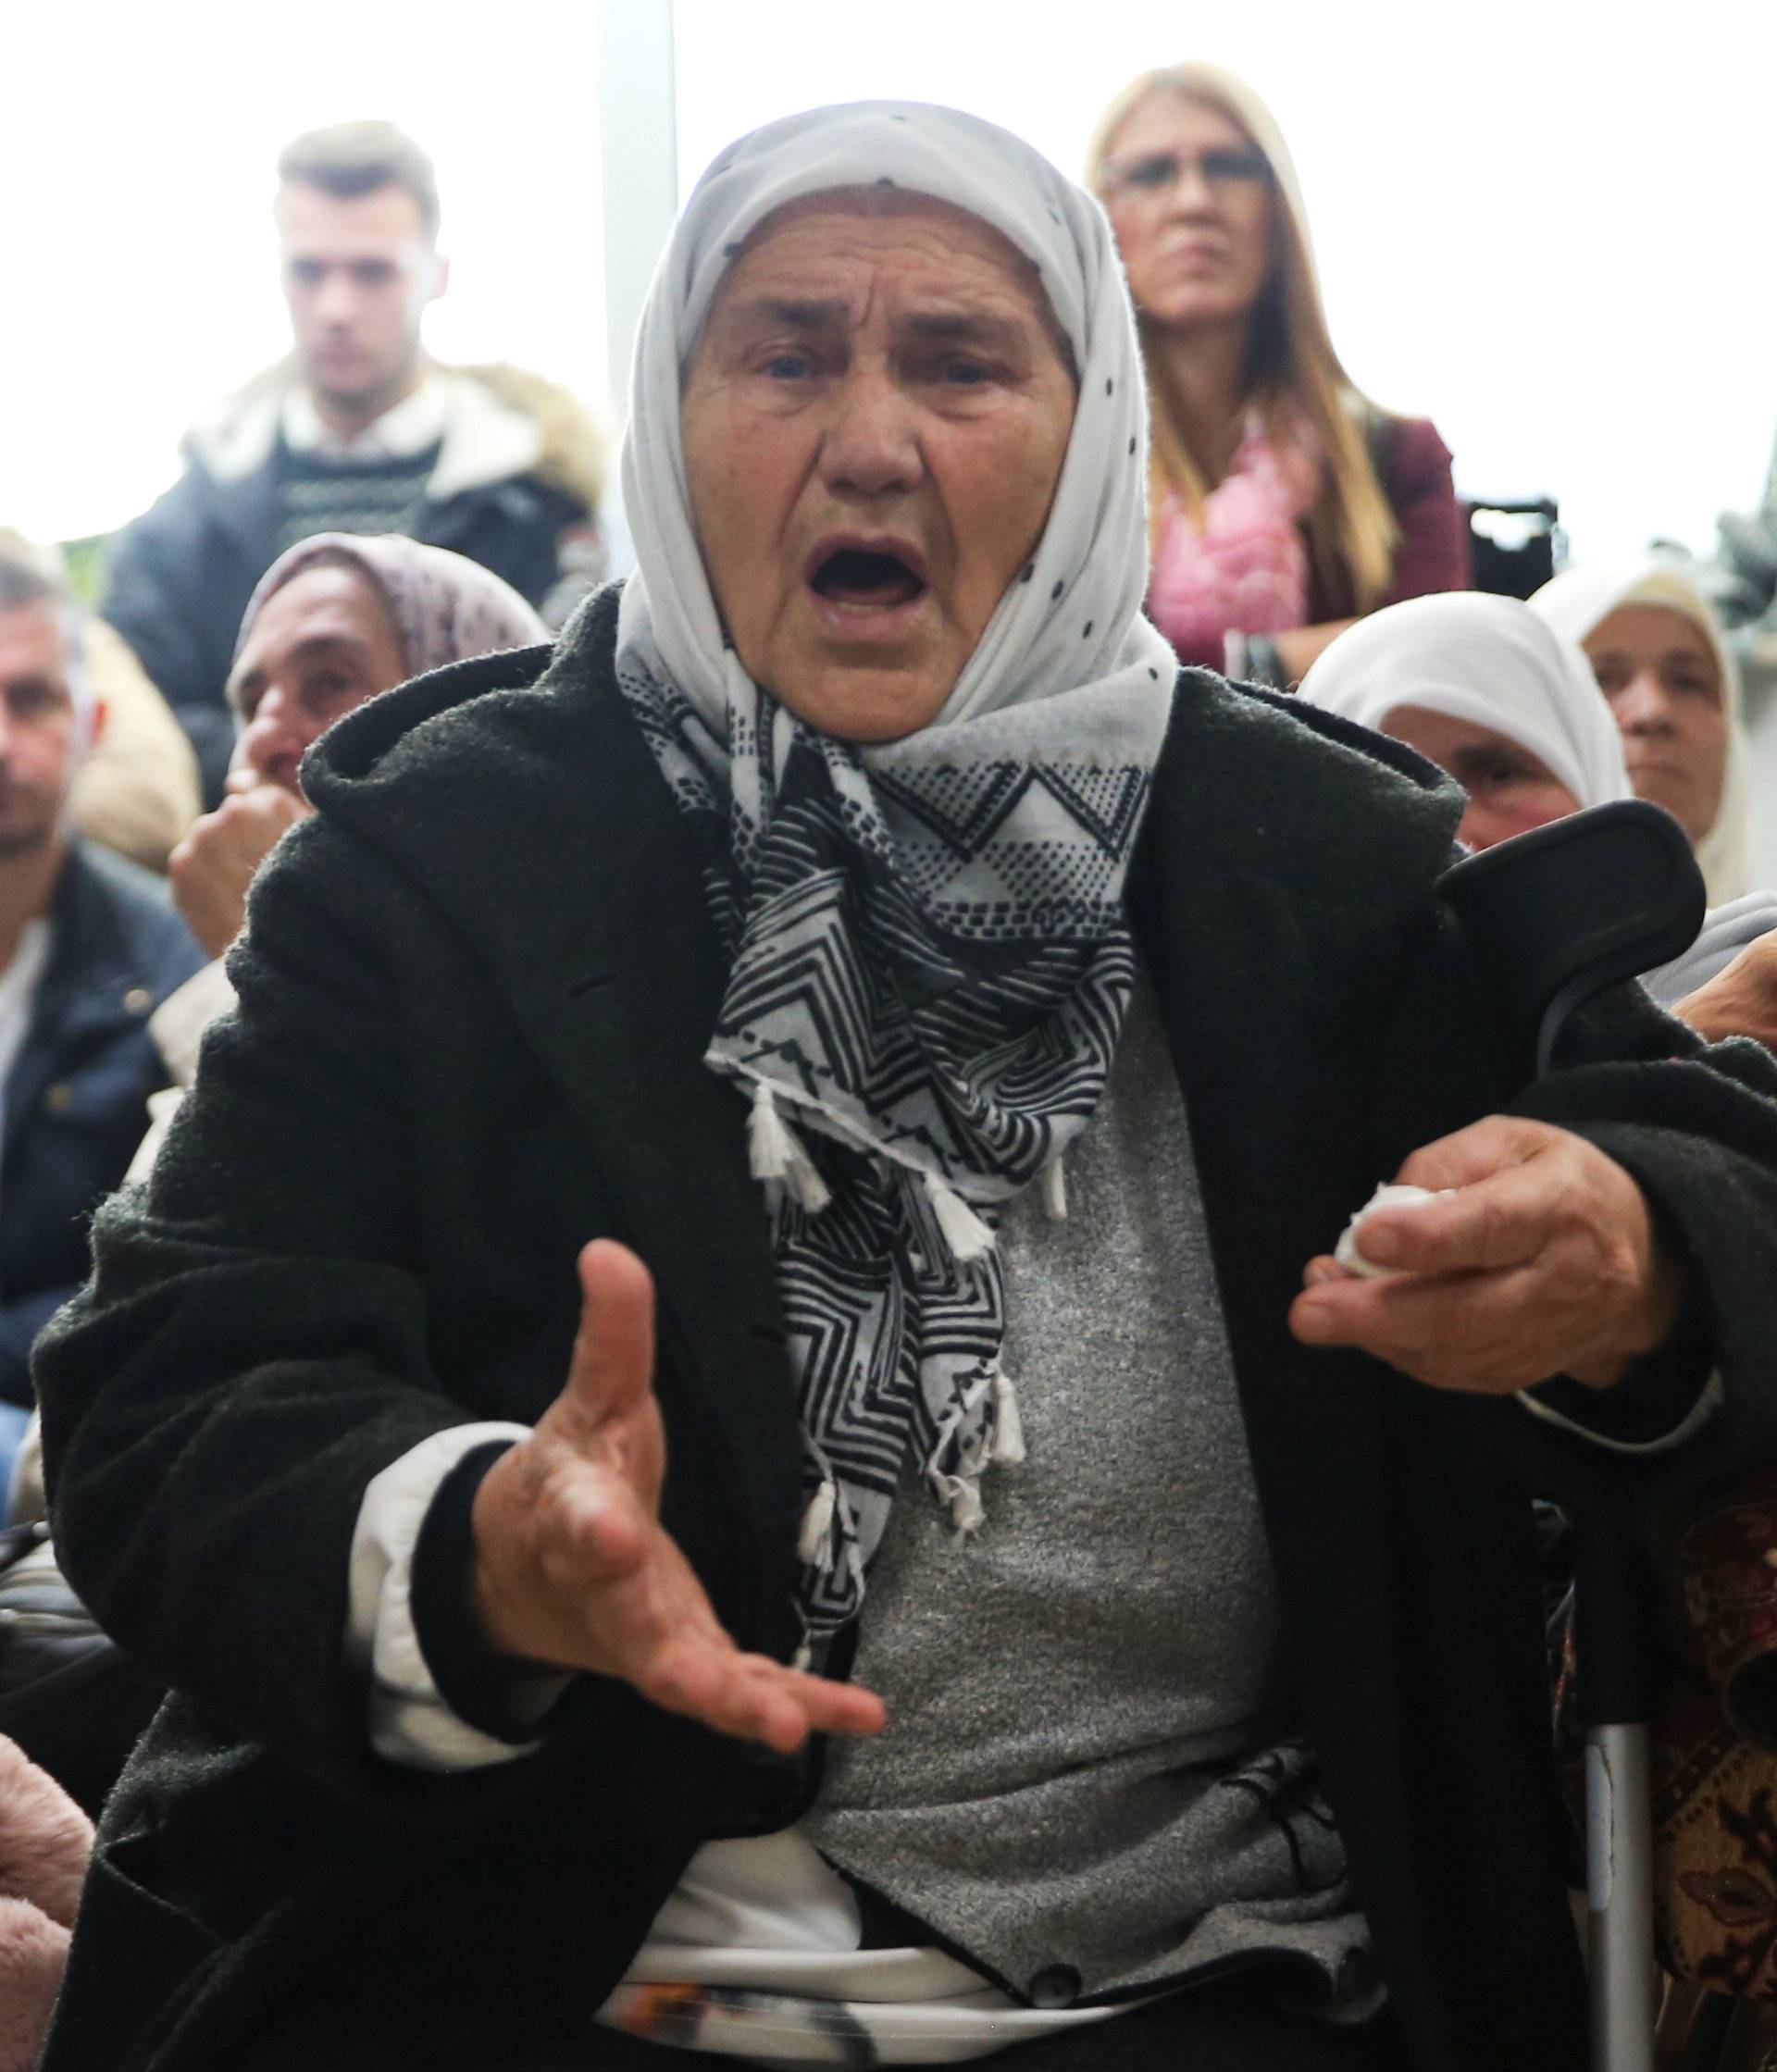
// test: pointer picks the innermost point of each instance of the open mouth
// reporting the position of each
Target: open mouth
(866, 579)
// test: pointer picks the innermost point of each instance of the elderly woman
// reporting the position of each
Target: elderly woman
(1673, 688)
(717, 1463)
(1284, 503)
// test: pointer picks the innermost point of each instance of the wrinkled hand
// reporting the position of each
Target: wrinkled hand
(1546, 1260)
(1740, 1000)
(573, 1569)
(212, 868)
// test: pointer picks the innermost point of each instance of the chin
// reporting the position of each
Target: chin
(866, 705)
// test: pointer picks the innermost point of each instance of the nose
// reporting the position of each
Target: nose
(1191, 192)
(872, 445)
(1641, 706)
(335, 299)
(273, 740)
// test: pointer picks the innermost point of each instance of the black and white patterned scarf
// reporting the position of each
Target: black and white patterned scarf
(929, 960)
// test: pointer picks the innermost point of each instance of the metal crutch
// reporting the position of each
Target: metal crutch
(1549, 919)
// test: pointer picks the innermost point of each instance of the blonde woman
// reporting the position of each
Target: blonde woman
(1284, 504)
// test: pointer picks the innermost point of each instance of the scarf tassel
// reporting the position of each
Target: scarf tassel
(1008, 1425)
(968, 1237)
(815, 1537)
(775, 1152)
(1055, 1190)
(961, 1496)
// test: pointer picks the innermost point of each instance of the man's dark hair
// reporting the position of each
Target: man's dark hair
(351, 158)
(23, 586)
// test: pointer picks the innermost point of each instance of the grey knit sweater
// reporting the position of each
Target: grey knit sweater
(1091, 1780)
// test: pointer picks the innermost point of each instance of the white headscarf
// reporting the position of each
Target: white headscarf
(929, 959)
(1077, 619)
(1578, 602)
(1489, 661)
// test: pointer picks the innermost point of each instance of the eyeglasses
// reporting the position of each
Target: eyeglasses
(1223, 171)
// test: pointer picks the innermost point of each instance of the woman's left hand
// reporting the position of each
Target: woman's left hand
(1741, 1000)
(1543, 1260)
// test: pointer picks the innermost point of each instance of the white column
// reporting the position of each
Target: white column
(638, 161)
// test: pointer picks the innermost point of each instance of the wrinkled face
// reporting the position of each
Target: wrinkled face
(1509, 789)
(1661, 674)
(357, 274)
(320, 646)
(1189, 197)
(874, 420)
(37, 727)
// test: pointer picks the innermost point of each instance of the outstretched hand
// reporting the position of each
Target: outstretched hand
(1543, 1260)
(573, 1571)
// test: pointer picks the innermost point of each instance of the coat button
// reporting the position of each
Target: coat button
(138, 1001)
(56, 1097)
(1056, 1985)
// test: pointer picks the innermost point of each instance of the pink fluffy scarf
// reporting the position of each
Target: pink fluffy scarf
(1244, 567)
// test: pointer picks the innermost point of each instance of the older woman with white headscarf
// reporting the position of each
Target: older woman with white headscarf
(712, 1389)
(1673, 687)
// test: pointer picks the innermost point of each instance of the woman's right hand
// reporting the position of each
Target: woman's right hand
(214, 866)
(573, 1569)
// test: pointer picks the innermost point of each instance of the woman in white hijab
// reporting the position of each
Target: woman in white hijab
(1488, 690)
(1675, 689)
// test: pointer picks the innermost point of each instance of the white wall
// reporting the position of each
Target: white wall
(136, 161)
(1545, 226)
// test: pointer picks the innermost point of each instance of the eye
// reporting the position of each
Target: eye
(964, 374)
(1495, 773)
(789, 367)
(1159, 169)
(329, 687)
(33, 700)
(1230, 166)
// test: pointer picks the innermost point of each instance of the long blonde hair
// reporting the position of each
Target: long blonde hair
(1291, 362)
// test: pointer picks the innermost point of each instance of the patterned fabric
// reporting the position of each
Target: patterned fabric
(1714, 1744)
(446, 608)
(1244, 564)
(930, 965)
(316, 494)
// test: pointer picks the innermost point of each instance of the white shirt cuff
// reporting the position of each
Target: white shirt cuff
(178, 1023)
(407, 1717)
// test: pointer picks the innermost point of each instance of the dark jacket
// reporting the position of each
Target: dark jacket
(475, 995)
(76, 1102)
(180, 577)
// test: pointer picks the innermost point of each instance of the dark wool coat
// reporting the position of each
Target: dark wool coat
(76, 1100)
(474, 997)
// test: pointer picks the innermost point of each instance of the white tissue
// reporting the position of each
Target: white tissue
(1346, 1251)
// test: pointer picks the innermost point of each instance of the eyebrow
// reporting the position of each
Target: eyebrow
(833, 314)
